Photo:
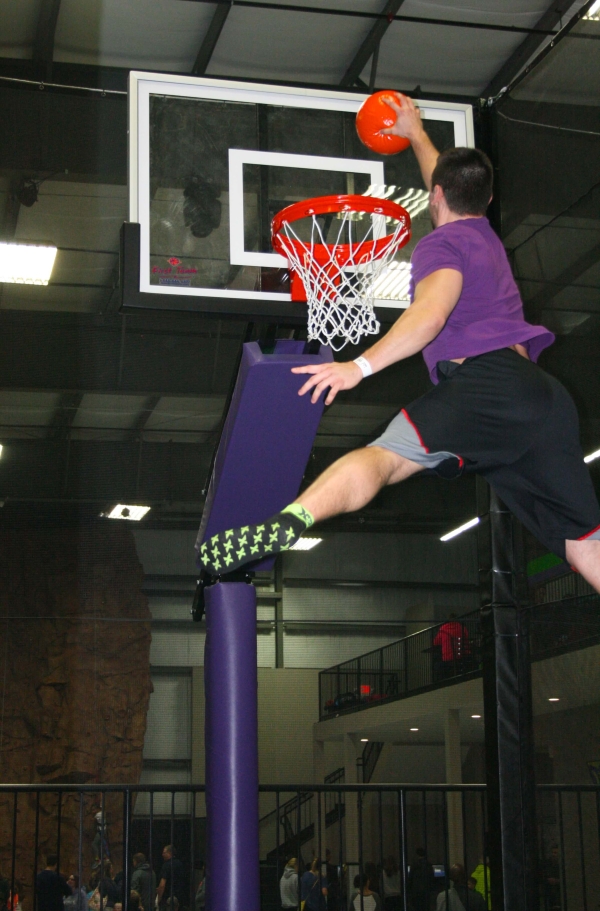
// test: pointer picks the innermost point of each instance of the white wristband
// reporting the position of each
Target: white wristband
(364, 366)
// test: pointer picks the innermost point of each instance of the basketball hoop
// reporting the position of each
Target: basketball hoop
(337, 278)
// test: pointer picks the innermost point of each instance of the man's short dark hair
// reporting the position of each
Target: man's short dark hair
(466, 176)
(139, 858)
(51, 860)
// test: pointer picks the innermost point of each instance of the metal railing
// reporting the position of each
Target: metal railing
(424, 661)
(411, 665)
(447, 821)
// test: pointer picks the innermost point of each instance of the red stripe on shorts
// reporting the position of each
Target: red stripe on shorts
(589, 534)
(404, 412)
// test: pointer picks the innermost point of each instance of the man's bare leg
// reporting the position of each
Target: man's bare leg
(585, 557)
(345, 486)
(354, 480)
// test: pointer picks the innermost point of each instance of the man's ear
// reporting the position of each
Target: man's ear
(437, 193)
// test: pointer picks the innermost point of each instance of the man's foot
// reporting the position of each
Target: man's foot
(228, 550)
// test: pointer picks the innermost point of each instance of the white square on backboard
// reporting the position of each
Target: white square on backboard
(239, 157)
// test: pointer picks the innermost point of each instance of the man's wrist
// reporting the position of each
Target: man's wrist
(363, 365)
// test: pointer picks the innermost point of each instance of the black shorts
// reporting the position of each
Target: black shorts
(503, 417)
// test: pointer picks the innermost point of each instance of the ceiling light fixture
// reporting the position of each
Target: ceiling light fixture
(475, 716)
(131, 513)
(26, 264)
(594, 11)
(306, 543)
(553, 699)
(593, 455)
(364, 739)
(414, 729)
(458, 531)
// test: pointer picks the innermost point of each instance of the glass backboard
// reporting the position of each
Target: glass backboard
(212, 161)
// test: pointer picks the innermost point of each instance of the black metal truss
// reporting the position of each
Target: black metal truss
(370, 45)
(519, 58)
(210, 39)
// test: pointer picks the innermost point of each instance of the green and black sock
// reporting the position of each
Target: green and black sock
(228, 550)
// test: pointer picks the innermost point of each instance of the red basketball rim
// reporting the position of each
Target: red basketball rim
(328, 205)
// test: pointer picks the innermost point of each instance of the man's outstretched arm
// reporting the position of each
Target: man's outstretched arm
(409, 124)
(435, 298)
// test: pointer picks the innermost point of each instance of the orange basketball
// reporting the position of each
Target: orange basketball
(375, 115)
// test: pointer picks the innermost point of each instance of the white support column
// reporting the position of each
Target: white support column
(318, 761)
(351, 753)
(454, 776)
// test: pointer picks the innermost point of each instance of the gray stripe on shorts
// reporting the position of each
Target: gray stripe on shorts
(401, 437)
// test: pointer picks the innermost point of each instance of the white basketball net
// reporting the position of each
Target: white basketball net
(339, 289)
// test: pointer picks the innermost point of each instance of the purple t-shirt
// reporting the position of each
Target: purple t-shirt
(489, 312)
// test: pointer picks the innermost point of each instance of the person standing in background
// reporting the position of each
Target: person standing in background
(143, 880)
(172, 878)
(50, 887)
(288, 885)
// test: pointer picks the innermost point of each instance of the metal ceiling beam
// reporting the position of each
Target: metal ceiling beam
(371, 43)
(210, 39)
(144, 416)
(518, 59)
(43, 43)
(11, 211)
(64, 415)
(271, 7)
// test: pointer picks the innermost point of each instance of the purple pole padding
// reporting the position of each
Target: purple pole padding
(266, 440)
(231, 744)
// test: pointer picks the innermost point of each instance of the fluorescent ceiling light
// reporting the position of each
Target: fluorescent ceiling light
(132, 513)
(554, 699)
(306, 543)
(364, 739)
(458, 531)
(1, 448)
(594, 11)
(592, 455)
(26, 264)
(475, 716)
(414, 729)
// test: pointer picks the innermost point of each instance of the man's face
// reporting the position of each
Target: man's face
(166, 854)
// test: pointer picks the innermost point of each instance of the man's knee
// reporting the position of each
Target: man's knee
(394, 467)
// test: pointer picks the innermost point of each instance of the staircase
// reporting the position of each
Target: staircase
(368, 760)
(295, 820)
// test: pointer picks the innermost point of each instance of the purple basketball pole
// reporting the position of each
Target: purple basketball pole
(262, 454)
(231, 729)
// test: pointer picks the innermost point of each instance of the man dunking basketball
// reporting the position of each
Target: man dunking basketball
(491, 409)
